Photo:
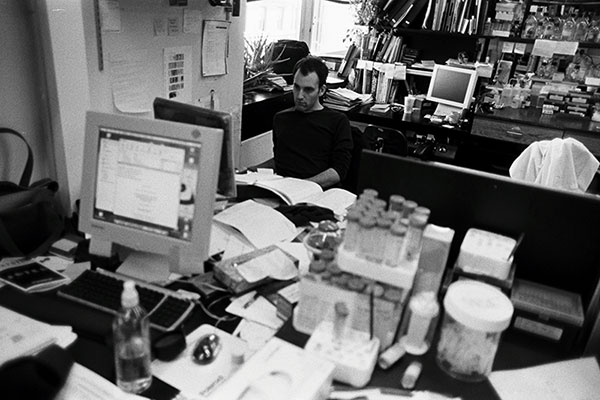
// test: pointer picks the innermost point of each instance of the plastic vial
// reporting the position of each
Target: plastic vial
(391, 355)
(414, 235)
(423, 310)
(475, 315)
(409, 208)
(395, 207)
(339, 323)
(382, 229)
(423, 211)
(393, 246)
(366, 243)
(352, 230)
(131, 334)
(411, 375)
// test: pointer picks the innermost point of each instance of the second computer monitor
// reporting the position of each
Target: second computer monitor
(451, 87)
(189, 114)
(149, 187)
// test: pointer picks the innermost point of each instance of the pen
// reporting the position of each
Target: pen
(251, 300)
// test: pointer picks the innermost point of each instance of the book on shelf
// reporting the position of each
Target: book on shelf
(348, 62)
(412, 14)
(29, 275)
(296, 191)
(402, 13)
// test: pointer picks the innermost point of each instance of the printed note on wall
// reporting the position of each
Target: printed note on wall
(215, 46)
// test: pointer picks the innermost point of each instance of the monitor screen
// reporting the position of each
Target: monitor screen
(188, 114)
(149, 186)
(452, 86)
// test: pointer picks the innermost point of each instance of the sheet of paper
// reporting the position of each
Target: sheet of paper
(84, 384)
(337, 200)
(192, 21)
(568, 48)
(199, 381)
(173, 25)
(129, 79)
(257, 309)
(228, 241)
(261, 225)
(298, 250)
(21, 335)
(178, 73)
(160, 26)
(508, 47)
(215, 48)
(253, 177)
(275, 264)
(577, 379)
(520, 48)
(254, 334)
(543, 48)
(294, 190)
(291, 292)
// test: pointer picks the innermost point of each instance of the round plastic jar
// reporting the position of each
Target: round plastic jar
(475, 316)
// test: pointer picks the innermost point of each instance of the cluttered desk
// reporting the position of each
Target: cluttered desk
(428, 285)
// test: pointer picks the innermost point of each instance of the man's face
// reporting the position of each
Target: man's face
(307, 92)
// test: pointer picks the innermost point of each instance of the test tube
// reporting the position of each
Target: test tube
(408, 208)
(396, 205)
(339, 323)
(394, 242)
(366, 241)
(352, 230)
(382, 229)
(423, 309)
(411, 247)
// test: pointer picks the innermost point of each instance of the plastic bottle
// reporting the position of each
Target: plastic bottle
(568, 28)
(131, 335)
(581, 28)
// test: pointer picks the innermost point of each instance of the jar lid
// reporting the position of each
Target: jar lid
(478, 306)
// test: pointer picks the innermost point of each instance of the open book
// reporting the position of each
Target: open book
(294, 191)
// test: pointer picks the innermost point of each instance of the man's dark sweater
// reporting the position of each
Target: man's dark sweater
(306, 144)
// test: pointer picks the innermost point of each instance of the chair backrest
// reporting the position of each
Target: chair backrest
(287, 52)
(16, 156)
(385, 140)
(351, 181)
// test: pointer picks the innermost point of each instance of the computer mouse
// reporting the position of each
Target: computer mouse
(206, 349)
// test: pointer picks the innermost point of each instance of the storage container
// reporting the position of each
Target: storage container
(475, 315)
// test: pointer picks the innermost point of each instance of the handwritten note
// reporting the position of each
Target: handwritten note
(129, 79)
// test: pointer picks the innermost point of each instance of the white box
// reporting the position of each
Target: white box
(487, 253)
(280, 370)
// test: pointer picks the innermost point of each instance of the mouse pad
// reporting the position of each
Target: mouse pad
(195, 380)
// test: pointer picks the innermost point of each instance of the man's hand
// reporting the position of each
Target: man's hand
(326, 179)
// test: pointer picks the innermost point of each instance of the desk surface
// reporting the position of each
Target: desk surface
(515, 351)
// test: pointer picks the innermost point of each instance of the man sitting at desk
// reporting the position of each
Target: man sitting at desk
(310, 141)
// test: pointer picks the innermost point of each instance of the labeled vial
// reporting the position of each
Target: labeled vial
(423, 310)
(411, 247)
(393, 245)
(423, 211)
(396, 205)
(352, 230)
(366, 243)
(408, 208)
(391, 355)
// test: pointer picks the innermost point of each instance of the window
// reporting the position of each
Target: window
(323, 24)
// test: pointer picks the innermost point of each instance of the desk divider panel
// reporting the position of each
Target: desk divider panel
(561, 247)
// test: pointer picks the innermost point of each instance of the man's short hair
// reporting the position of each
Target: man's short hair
(314, 64)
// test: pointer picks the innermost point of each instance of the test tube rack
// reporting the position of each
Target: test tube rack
(401, 276)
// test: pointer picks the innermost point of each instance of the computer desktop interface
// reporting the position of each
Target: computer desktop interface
(149, 188)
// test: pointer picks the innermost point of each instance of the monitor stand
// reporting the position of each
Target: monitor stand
(445, 111)
(147, 266)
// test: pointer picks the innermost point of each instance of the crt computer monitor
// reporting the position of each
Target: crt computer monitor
(149, 186)
(451, 87)
(189, 114)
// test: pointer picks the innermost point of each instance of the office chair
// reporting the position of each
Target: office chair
(286, 53)
(16, 156)
(350, 182)
(385, 140)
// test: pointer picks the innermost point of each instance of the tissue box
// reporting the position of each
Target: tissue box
(486, 253)
(280, 370)
(228, 273)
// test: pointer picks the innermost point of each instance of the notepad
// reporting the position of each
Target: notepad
(30, 275)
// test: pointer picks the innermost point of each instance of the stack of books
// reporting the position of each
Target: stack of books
(345, 99)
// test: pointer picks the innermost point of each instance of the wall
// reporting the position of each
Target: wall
(22, 105)
(77, 84)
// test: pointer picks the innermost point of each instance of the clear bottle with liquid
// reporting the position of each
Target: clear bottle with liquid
(131, 336)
